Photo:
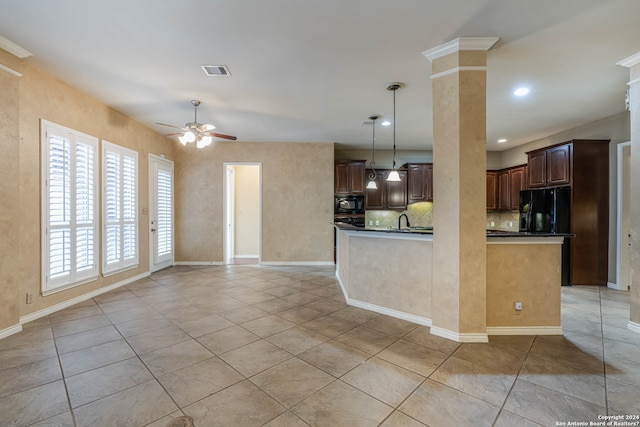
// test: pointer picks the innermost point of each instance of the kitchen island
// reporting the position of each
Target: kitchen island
(390, 272)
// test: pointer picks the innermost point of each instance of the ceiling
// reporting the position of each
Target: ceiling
(313, 71)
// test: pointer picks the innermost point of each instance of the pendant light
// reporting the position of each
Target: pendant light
(394, 176)
(371, 185)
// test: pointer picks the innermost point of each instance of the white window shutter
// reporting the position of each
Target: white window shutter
(120, 207)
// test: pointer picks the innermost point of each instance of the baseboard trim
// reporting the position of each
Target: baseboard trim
(524, 330)
(298, 263)
(458, 337)
(390, 312)
(614, 286)
(198, 263)
(68, 303)
(633, 326)
(246, 256)
(10, 331)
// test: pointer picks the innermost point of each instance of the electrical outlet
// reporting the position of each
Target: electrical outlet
(29, 298)
(517, 305)
(493, 223)
(370, 222)
(377, 222)
(510, 224)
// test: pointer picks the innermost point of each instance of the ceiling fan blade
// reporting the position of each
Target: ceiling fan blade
(173, 134)
(221, 135)
(171, 126)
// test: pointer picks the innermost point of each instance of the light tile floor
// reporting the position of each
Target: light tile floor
(249, 345)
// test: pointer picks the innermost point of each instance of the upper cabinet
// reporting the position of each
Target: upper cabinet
(420, 182)
(492, 190)
(517, 183)
(349, 177)
(389, 195)
(503, 188)
(504, 191)
(551, 167)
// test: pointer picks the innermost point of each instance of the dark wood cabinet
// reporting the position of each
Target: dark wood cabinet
(349, 177)
(492, 190)
(550, 167)
(517, 183)
(584, 166)
(420, 182)
(559, 166)
(504, 190)
(537, 169)
(388, 195)
(373, 199)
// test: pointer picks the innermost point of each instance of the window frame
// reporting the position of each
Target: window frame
(74, 277)
(123, 264)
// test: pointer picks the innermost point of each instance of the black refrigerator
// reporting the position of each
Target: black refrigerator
(548, 210)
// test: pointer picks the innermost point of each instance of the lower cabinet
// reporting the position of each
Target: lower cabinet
(389, 195)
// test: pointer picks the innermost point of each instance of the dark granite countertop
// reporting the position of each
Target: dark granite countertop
(429, 230)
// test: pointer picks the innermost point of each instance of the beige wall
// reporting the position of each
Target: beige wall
(297, 200)
(40, 96)
(387, 270)
(384, 158)
(635, 195)
(247, 211)
(514, 273)
(9, 195)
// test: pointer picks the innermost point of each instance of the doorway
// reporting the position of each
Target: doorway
(623, 251)
(160, 213)
(242, 213)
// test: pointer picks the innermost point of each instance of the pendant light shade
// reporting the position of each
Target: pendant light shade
(372, 185)
(394, 176)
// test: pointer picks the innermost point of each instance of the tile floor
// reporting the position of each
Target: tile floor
(250, 345)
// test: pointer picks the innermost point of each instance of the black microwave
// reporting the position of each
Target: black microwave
(349, 205)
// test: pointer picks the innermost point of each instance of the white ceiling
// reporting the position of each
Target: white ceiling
(311, 70)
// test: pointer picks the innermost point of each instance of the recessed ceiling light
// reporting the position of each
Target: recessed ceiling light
(385, 123)
(521, 91)
(502, 141)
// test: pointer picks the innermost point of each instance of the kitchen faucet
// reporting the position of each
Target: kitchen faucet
(405, 217)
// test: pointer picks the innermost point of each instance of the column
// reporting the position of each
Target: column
(459, 184)
(633, 63)
(10, 292)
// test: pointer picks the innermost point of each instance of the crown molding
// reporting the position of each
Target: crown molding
(13, 48)
(630, 61)
(461, 43)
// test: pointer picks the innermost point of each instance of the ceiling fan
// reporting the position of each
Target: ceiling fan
(196, 132)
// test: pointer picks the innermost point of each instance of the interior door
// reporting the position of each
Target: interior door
(161, 221)
(229, 214)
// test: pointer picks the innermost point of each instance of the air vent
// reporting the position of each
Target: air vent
(216, 70)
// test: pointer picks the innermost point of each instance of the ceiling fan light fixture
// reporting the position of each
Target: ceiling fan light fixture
(206, 140)
(189, 136)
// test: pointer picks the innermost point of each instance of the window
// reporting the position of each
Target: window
(69, 208)
(119, 208)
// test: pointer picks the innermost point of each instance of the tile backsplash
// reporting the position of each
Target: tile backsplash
(508, 221)
(421, 214)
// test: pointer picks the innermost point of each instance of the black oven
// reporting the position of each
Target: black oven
(349, 205)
